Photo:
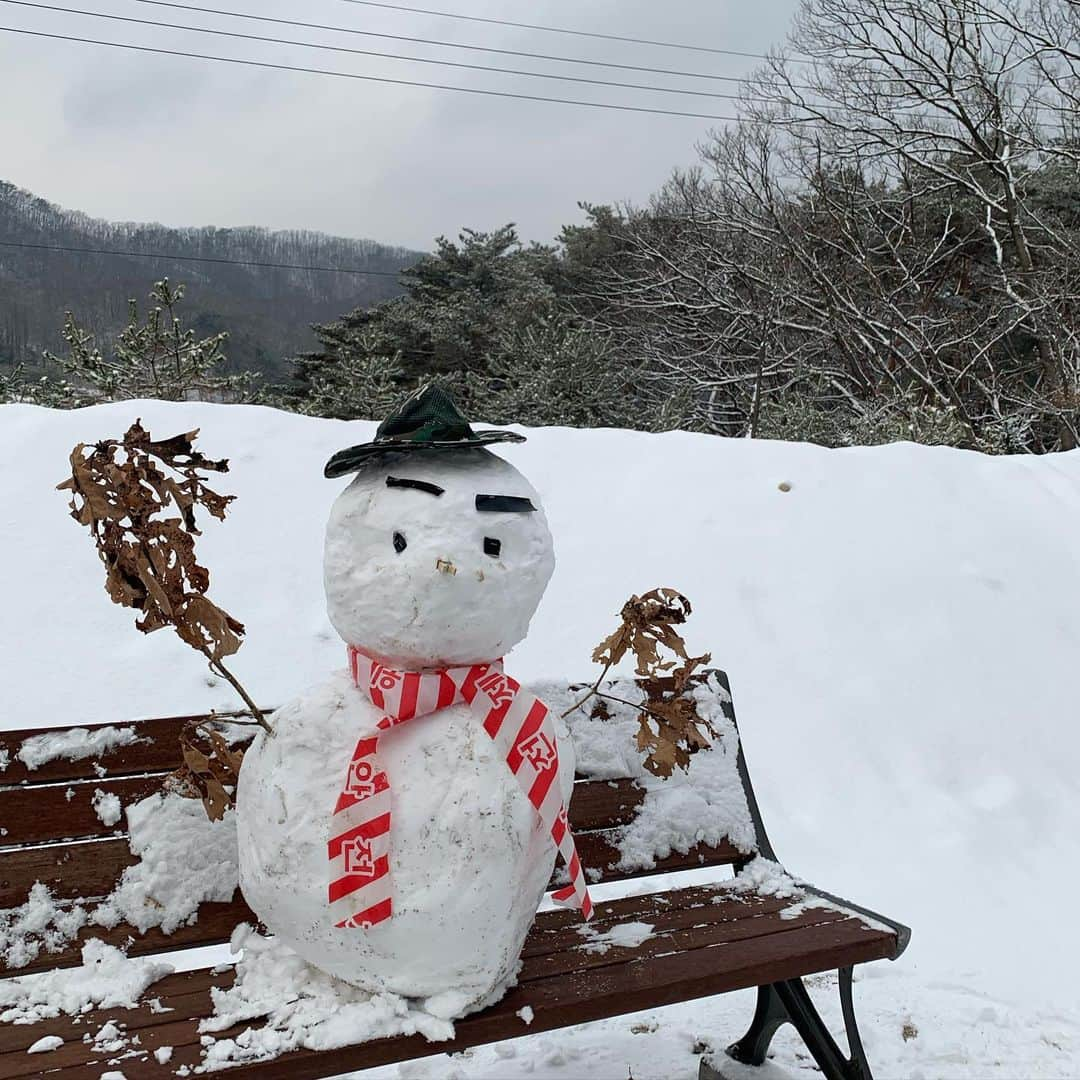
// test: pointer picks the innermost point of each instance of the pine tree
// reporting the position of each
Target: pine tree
(157, 358)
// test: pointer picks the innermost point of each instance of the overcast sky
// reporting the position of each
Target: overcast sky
(142, 137)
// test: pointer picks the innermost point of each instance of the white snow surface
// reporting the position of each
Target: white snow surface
(900, 628)
(705, 804)
(107, 806)
(185, 860)
(107, 979)
(623, 935)
(45, 1044)
(73, 745)
(303, 1008)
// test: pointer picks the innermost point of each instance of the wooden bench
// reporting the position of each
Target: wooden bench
(704, 942)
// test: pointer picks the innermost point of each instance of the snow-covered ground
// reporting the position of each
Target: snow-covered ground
(901, 628)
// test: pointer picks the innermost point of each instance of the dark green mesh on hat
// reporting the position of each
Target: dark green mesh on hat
(429, 415)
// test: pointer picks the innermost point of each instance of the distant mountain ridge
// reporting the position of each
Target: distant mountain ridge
(267, 311)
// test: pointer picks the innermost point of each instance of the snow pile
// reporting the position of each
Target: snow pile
(107, 806)
(765, 878)
(107, 979)
(624, 936)
(703, 805)
(41, 923)
(297, 1006)
(45, 1044)
(74, 744)
(185, 860)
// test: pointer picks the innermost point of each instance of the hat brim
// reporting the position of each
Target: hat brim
(355, 457)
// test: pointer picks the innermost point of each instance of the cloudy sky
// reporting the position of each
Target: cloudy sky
(139, 136)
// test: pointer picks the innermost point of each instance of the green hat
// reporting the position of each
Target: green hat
(427, 420)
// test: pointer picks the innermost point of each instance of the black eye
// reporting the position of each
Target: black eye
(399, 543)
(492, 546)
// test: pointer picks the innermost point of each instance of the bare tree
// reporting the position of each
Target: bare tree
(880, 227)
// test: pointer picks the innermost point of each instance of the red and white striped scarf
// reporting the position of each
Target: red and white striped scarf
(519, 724)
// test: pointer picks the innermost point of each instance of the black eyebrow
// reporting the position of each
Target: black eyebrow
(511, 504)
(420, 485)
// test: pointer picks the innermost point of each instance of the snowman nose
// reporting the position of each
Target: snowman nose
(445, 566)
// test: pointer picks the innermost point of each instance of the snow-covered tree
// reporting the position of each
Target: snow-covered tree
(155, 358)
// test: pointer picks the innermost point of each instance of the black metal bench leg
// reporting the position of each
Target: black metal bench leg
(859, 1066)
(769, 1016)
(789, 1002)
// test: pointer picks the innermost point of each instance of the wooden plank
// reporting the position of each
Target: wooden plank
(604, 804)
(676, 910)
(673, 940)
(695, 913)
(158, 750)
(41, 814)
(603, 992)
(777, 949)
(184, 996)
(215, 926)
(667, 911)
(91, 869)
(82, 870)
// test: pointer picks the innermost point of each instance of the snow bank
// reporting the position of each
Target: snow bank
(900, 628)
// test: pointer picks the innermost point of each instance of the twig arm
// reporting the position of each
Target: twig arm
(219, 668)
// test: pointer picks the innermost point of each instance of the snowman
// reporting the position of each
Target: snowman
(400, 827)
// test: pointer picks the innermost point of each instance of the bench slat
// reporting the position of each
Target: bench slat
(157, 750)
(680, 908)
(92, 869)
(734, 945)
(44, 814)
(35, 814)
(555, 930)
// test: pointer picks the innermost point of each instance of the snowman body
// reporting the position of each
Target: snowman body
(421, 581)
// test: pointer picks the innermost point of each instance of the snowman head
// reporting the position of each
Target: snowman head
(436, 559)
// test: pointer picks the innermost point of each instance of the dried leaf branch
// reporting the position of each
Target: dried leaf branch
(210, 770)
(669, 727)
(122, 490)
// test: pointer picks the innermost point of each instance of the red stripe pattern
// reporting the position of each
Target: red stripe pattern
(519, 723)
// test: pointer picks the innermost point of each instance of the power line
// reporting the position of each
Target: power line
(200, 258)
(443, 44)
(557, 29)
(366, 52)
(365, 78)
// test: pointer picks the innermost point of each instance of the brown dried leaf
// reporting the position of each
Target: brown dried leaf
(669, 727)
(210, 771)
(216, 800)
(204, 626)
(120, 490)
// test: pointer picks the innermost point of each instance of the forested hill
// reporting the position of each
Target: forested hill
(268, 311)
